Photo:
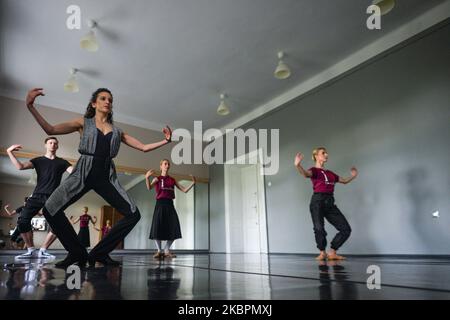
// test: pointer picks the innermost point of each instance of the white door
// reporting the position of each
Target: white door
(251, 223)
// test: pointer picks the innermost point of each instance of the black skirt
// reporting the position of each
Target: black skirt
(165, 224)
(83, 236)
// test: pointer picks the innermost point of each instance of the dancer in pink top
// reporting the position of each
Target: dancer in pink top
(84, 235)
(322, 204)
(165, 224)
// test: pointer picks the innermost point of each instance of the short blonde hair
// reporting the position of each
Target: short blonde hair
(316, 152)
(161, 162)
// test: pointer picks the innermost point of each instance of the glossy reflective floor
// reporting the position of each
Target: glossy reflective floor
(236, 276)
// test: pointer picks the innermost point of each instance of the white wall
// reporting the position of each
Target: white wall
(184, 204)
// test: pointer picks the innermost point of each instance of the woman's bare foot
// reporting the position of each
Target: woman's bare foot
(169, 255)
(158, 255)
(322, 256)
(332, 255)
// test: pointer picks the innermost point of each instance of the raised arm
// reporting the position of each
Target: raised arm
(136, 144)
(76, 220)
(62, 128)
(9, 213)
(147, 179)
(354, 174)
(301, 170)
(186, 189)
(94, 221)
(19, 165)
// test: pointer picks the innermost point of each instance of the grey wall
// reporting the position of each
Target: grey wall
(217, 239)
(145, 201)
(389, 118)
(201, 228)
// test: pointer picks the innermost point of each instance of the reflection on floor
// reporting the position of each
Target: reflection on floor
(225, 276)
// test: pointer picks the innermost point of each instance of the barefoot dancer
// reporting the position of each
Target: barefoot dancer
(322, 203)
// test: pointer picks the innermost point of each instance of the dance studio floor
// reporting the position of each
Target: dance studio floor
(223, 277)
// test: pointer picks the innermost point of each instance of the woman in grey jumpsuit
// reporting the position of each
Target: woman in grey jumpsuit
(99, 143)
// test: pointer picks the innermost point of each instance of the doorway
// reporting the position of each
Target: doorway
(111, 214)
(245, 209)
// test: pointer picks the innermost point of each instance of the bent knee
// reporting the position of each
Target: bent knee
(320, 230)
(347, 230)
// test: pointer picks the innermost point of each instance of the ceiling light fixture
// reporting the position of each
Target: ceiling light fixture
(282, 71)
(89, 41)
(385, 5)
(71, 85)
(223, 109)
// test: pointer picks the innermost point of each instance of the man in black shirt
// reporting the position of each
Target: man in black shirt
(49, 169)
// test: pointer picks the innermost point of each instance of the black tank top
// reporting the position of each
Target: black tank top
(102, 148)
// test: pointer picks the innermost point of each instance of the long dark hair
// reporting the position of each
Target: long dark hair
(90, 110)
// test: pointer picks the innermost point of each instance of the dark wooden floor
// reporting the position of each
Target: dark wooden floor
(226, 277)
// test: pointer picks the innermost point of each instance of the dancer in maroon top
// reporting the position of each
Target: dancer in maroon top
(322, 203)
(165, 224)
(106, 229)
(84, 235)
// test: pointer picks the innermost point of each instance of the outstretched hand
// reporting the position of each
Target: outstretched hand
(14, 147)
(150, 173)
(167, 133)
(298, 159)
(354, 172)
(33, 94)
(193, 179)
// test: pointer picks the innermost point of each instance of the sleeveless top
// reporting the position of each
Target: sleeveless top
(102, 149)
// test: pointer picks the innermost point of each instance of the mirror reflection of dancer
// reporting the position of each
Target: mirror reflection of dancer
(105, 229)
(322, 202)
(165, 224)
(49, 169)
(83, 234)
(95, 170)
(15, 234)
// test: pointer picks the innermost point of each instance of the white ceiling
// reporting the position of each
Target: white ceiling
(166, 61)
